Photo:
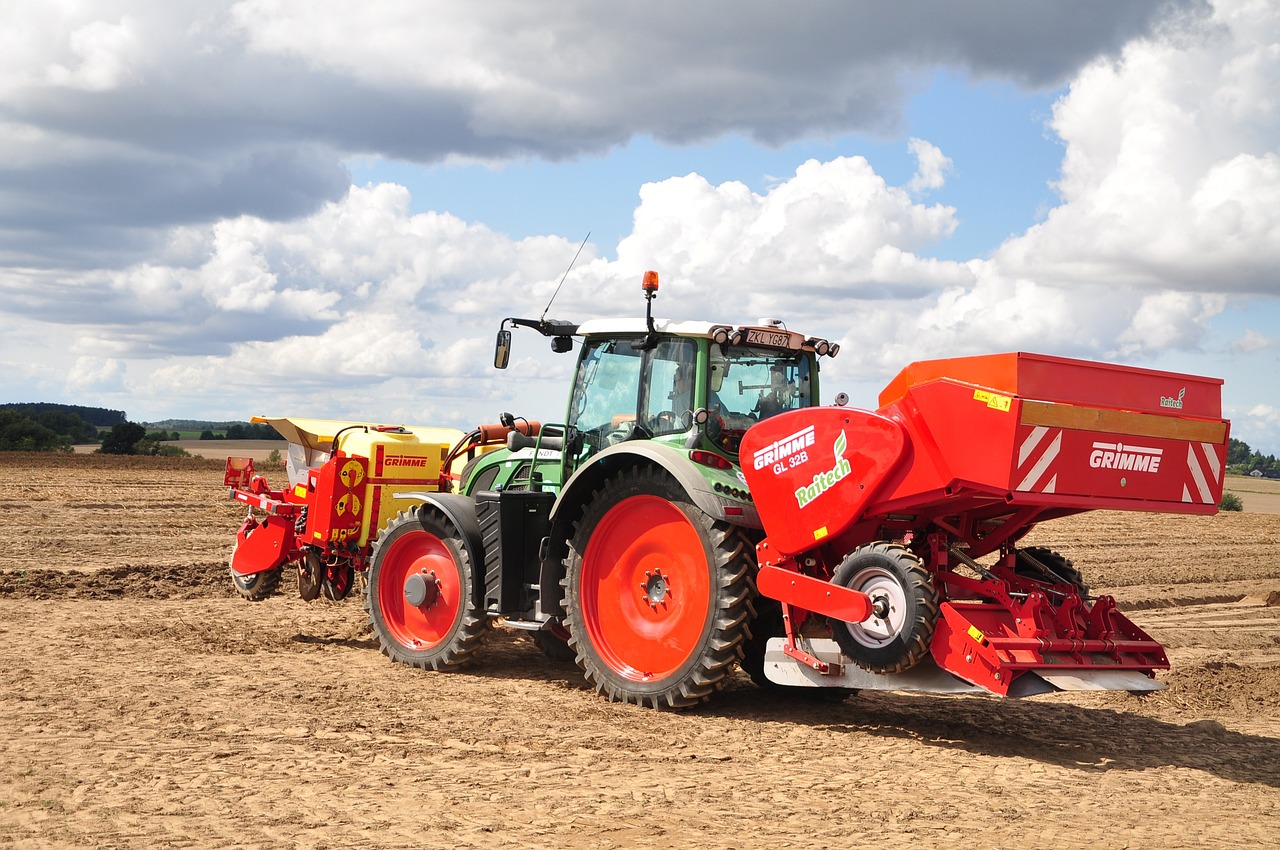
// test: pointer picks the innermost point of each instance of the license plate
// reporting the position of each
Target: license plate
(771, 338)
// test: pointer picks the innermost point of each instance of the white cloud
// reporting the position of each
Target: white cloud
(98, 374)
(1251, 342)
(1171, 177)
(932, 166)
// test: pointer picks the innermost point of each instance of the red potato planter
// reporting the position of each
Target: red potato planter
(892, 509)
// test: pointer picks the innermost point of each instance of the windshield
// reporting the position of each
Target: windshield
(622, 392)
(757, 383)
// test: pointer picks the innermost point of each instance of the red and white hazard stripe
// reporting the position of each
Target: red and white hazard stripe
(1036, 455)
(1206, 472)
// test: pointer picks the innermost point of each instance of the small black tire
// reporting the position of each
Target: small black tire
(554, 647)
(257, 586)
(421, 601)
(897, 635)
(1028, 564)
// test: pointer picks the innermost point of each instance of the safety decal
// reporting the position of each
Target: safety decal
(1039, 455)
(995, 401)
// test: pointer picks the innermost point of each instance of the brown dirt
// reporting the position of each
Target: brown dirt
(143, 705)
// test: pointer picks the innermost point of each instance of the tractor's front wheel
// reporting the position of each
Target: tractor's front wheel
(421, 603)
(904, 608)
(658, 595)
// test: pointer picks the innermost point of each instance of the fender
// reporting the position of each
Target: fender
(461, 511)
(588, 478)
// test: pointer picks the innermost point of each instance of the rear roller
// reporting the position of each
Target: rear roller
(421, 602)
(658, 595)
(904, 608)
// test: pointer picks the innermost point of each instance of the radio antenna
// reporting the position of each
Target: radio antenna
(566, 274)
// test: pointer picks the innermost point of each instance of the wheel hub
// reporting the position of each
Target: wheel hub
(656, 588)
(421, 589)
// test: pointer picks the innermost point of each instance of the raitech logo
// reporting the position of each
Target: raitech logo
(824, 481)
(1175, 403)
(1120, 456)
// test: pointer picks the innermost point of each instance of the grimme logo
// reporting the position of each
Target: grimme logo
(1120, 456)
(780, 450)
(824, 481)
(404, 460)
(1175, 403)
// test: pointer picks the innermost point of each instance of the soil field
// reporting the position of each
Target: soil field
(142, 704)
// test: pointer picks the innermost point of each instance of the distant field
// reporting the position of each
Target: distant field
(256, 449)
(218, 449)
(1260, 495)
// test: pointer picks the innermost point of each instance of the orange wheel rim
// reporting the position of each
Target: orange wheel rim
(645, 588)
(416, 561)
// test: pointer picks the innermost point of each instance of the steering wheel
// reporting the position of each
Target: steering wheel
(666, 420)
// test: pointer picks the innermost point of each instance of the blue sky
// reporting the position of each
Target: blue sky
(996, 132)
(216, 210)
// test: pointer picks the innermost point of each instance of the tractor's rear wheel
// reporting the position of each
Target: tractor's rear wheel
(421, 602)
(257, 586)
(904, 608)
(1044, 564)
(658, 595)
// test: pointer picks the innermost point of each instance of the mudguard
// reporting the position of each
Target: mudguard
(590, 476)
(461, 511)
(262, 546)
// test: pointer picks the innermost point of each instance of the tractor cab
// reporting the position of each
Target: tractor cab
(678, 385)
(696, 386)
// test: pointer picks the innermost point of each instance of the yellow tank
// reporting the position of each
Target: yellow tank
(354, 500)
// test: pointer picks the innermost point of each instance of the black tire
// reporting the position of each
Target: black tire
(421, 600)
(257, 586)
(694, 604)
(1029, 562)
(310, 574)
(897, 636)
(554, 647)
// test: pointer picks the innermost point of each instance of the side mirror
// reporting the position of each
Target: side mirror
(502, 351)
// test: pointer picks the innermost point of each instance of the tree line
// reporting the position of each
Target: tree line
(1243, 460)
(47, 427)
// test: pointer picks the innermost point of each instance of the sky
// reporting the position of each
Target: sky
(214, 210)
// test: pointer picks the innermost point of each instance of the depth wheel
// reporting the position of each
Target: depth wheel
(1043, 564)
(658, 595)
(904, 602)
(421, 603)
(257, 586)
(337, 582)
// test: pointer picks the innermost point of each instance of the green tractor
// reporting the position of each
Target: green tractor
(624, 538)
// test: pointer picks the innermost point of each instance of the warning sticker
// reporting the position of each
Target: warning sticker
(993, 400)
